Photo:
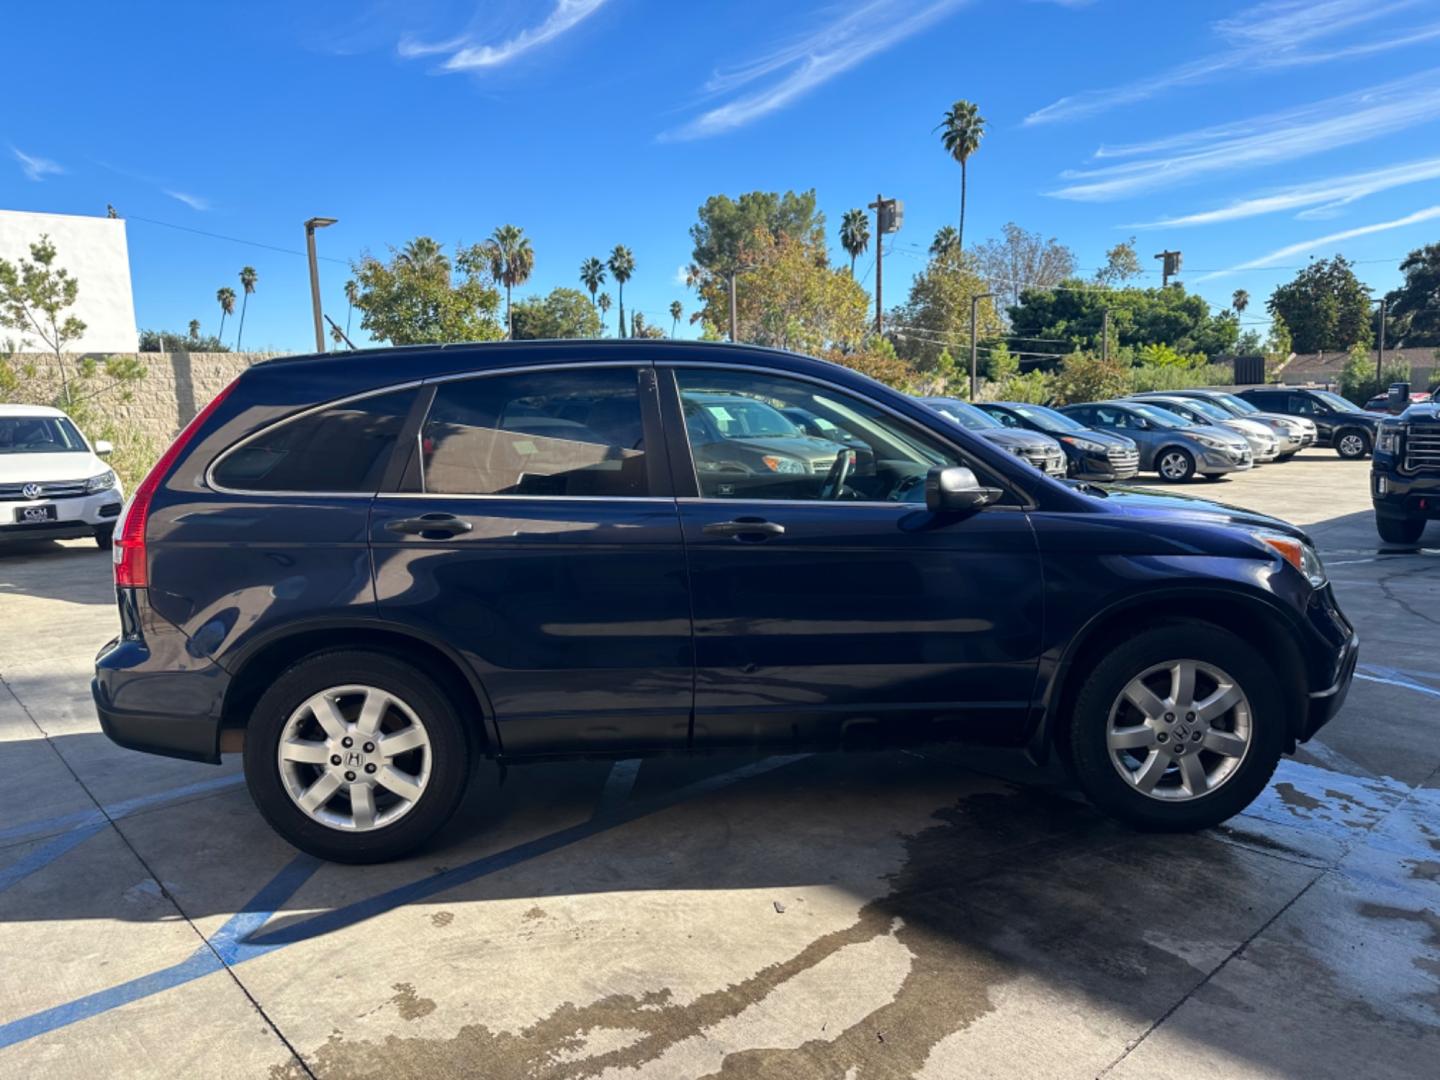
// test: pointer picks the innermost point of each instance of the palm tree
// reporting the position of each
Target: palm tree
(694, 276)
(226, 296)
(194, 329)
(511, 261)
(592, 275)
(622, 265)
(424, 256)
(855, 234)
(604, 303)
(675, 312)
(1240, 301)
(961, 131)
(352, 293)
(248, 278)
(947, 241)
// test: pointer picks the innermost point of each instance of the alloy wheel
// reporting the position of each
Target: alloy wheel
(1352, 445)
(354, 758)
(1179, 730)
(1175, 466)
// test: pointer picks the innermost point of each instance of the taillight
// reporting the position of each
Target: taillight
(131, 568)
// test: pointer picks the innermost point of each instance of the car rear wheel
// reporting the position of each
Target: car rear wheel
(1177, 729)
(105, 537)
(1175, 464)
(356, 756)
(1352, 444)
(1399, 530)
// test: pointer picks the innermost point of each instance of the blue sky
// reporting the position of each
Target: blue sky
(1250, 136)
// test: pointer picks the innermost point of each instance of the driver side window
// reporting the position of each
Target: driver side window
(754, 436)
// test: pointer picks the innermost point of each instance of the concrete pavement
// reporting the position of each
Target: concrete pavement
(935, 913)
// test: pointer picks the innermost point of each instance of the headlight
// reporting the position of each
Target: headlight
(1089, 446)
(96, 484)
(1212, 442)
(1298, 554)
(1389, 440)
(779, 464)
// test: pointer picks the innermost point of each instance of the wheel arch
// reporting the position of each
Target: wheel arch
(262, 661)
(1258, 623)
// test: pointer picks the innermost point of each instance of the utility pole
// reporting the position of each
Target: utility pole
(974, 349)
(1380, 351)
(733, 320)
(310, 227)
(889, 215)
(1105, 336)
(1169, 266)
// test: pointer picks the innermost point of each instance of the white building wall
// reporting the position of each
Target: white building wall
(95, 251)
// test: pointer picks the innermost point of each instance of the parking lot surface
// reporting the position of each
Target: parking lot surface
(936, 913)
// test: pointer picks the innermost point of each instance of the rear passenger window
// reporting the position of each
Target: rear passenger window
(546, 433)
(341, 448)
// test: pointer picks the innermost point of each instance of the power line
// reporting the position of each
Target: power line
(233, 239)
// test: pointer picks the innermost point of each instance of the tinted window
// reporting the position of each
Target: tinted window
(865, 454)
(1268, 400)
(545, 433)
(39, 435)
(342, 448)
(1300, 405)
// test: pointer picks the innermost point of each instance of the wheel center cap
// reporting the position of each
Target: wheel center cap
(354, 759)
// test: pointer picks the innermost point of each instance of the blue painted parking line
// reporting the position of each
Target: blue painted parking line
(47, 853)
(1393, 677)
(236, 941)
(123, 808)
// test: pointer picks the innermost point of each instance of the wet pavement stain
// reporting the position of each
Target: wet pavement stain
(533, 914)
(409, 1006)
(1296, 800)
(1425, 869)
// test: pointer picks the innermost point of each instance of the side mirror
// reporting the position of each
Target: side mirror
(955, 488)
(104, 448)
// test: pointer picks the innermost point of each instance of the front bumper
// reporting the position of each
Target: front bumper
(1394, 494)
(78, 516)
(1225, 461)
(1102, 466)
(1336, 649)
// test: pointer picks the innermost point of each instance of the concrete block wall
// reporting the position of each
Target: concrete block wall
(176, 386)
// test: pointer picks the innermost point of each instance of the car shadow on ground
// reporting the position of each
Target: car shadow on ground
(75, 571)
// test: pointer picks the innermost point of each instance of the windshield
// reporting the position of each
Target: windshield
(964, 414)
(1049, 419)
(39, 435)
(1161, 417)
(740, 418)
(1208, 408)
(1237, 405)
(1336, 402)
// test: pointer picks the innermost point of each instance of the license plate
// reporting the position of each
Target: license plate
(42, 512)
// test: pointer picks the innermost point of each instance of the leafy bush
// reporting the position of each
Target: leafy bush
(1170, 377)
(1035, 387)
(1085, 376)
(1357, 377)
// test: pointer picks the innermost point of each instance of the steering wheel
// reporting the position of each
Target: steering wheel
(839, 472)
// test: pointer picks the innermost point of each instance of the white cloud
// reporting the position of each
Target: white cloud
(791, 71)
(36, 168)
(1262, 140)
(1268, 35)
(467, 54)
(1307, 247)
(1314, 200)
(195, 202)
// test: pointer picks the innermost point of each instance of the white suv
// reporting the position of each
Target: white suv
(53, 484)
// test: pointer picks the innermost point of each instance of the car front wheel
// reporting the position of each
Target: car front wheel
(1175, 465)
(1177, 729)
(356, 756)
(1399, 530)
(105, 537)
(1351, 444)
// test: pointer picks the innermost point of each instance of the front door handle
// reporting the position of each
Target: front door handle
(430, 526)
(749, 529)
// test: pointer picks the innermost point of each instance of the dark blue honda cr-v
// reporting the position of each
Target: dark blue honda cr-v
(373, 570)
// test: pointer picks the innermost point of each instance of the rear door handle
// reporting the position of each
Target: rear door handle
(430, 526)
(751, 529)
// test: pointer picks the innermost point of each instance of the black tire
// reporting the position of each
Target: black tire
(105, 537)
(1097, 774)
(1352, 444)
(1182, 467)
(1399, 530)
(449, 750)
(1287, 457)
(1213, 476)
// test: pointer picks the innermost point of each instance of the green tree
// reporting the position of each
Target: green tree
(1415, 305)
(512, 260)
(414, 300)
(604, 304)
(1325, 307)
(225, 296)
(622, 266)
(1240, 300)
(876, 358)
(194, 329)
(1122, 264)
(639, 328)
(1358, 380)
(35, 296)
(248, 278)
(727, 226)
(675, 312)
(592, 275)
(1084, 376)
(961, 130)
(855, 234)
(173, 341)
(936, 314)
(564, 313)
(1021, 260)
(351, 292)
(1075, 314)
(946, 242)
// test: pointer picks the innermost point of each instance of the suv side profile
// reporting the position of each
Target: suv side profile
(1338, 423)
(370, 573)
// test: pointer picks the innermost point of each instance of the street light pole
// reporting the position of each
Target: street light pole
(310, 227)
(1380, 352)
(974, 345)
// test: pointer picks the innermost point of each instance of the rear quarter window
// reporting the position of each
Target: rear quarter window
(342, 448)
